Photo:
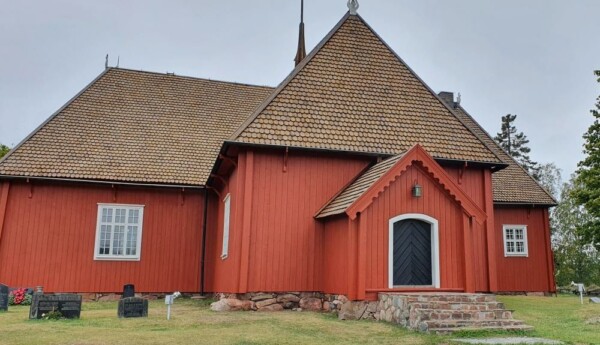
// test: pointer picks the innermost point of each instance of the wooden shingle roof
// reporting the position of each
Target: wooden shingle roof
(511, 185)
(353, 93)
(134, 126)
(359, 195)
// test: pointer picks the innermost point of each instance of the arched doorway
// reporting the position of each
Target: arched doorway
(413, 251)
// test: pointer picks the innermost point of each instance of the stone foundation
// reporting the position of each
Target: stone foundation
(107, 297)
(277, 301)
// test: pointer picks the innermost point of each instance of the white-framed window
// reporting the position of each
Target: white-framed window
(515, 240)
(226, 214)
(119, 232)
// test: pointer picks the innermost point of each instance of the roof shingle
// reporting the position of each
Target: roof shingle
(138, 127)
(353, 93)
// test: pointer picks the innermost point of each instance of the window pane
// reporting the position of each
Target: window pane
(519, 234)
(510, 247)
(520, 247)
(120, 215)
(104, 240)
(509, 234)
(118, 240)
(133, 216)
(131, 240)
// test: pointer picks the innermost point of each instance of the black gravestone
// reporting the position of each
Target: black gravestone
(3, 297)
(128, 291)
(133, 307)
(69, 305)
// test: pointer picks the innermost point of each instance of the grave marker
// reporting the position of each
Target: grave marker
(133, 307)
(69, 305)
(3, 297)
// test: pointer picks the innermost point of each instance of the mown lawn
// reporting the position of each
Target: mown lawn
(562, 318)
(193, 323)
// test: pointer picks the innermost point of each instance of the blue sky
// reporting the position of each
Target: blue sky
(532, 58)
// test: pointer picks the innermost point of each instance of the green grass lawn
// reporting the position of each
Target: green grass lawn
(562, 318)
(193, 323)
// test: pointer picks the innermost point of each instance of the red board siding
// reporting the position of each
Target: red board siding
(48, 239)
(532, 273)
(286, 241)
(276, 244)
(336, 266)
(436, 203)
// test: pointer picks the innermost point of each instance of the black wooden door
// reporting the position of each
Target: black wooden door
(412, 253)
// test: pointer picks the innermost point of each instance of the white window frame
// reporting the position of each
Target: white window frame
(140, 225)
(226, 221)
(435, 248)
(506, 227)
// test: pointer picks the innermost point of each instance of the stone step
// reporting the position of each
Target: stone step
(466, 324)
(445, 314)
(455, 298)
(482, 306)
(514, 328)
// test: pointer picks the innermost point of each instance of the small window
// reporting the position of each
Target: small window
(515, 240)
(226, 213)
(119, 232)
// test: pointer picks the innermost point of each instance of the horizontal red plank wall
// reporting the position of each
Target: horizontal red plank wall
(286, 242)
(398, 200)
(336, 260)
(524, 273)
(49, 236)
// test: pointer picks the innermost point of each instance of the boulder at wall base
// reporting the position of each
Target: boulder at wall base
(265, 302)
(231, 304)
(352, 310)
(288, 297)
(311, 304)
(261, 297)
(271, 307)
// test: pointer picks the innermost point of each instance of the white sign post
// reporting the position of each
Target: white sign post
(169, 299)
(581, 290)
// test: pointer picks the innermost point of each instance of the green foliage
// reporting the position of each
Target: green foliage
(550, 177)
(515, 144)
(587, 192)
(3, 150)
(52, 315)
(575, 258)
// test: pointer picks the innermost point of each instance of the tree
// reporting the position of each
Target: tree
(3, 150)
(550, 177)
(515, 144)
(575, 258)
(587, 192)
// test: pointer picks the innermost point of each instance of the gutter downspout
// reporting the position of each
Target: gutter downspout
(203, 255)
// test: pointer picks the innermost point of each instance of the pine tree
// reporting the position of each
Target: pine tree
(515, 144)
(588, 191)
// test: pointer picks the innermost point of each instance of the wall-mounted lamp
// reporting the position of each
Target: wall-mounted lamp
(417, 190)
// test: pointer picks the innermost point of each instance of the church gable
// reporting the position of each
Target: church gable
(353, 93)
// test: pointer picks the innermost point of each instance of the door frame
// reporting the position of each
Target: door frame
(435, 248)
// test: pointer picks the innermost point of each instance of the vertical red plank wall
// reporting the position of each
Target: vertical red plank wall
(49, 236)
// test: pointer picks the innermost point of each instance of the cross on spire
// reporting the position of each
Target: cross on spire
(353, 6)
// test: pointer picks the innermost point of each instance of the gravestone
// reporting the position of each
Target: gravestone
(595, 300)
(69, 305)
(133, 307)
(128, 291)
(3, 297)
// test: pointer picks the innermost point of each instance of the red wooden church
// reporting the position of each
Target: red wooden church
(351, 177)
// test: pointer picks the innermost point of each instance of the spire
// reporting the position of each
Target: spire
(353, 6)
(301, 54)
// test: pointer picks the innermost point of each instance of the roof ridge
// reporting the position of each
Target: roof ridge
(511, 158)
(55, 114)
(443, 109)
(189, 77)
(444, 104)
(289, 78)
